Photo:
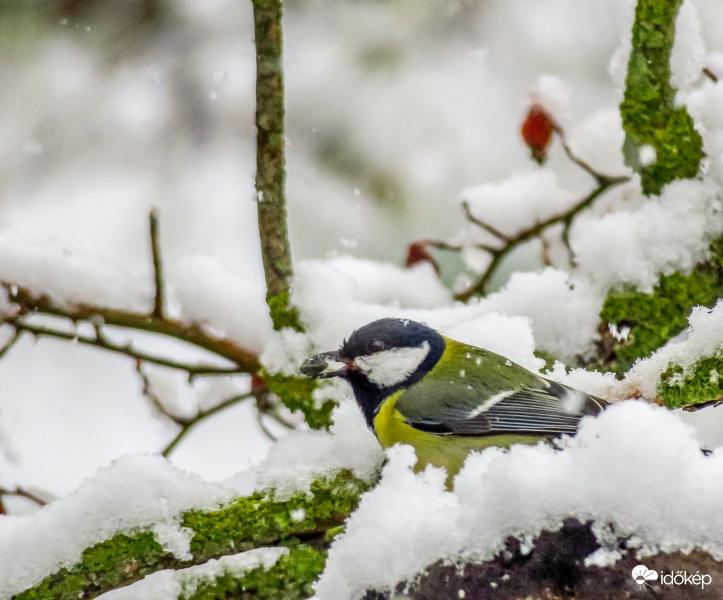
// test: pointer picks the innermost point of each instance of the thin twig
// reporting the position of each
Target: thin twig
(566, 226)
(105, 343)
(264, 429)
(185, 423)
(188, 424)
(10, 343)
(710, 75)
(546, 259)
(159, 285)
(442, 245)
(480, 223)
(30, 303)
(22, 493)
(480, 286)
(274, 414)
(598, 177)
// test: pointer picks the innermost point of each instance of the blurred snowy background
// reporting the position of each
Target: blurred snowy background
(394, 108)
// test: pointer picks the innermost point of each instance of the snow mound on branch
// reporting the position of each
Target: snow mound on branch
(564, 311)
(561, 311)
(502, 322)
(704, 337)
(510, 206)
(687, 58)
(298, 459)
(616, 470)
(662, 235)
(70, 277)
(137, 492)
(211, 294)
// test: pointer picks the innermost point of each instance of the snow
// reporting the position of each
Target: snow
(563, 310)
(134, 493)
(662, 235)
(703, 338)
(70, 277)
(553, 94)
(687, 58)
(300, 458)
(615, 470)
(526, 198)
(229, 304)
(394, 114)
(597, 140)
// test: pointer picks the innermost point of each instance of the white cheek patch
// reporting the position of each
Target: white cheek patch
(390, 367)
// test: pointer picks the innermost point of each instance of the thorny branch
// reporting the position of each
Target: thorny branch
(510, 242)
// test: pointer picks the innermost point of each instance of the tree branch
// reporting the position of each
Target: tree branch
(248, 522)
(510, 242)
(159, 293)
(30, 303)
(20, 493)
(185, 423)
(270, 163)
(486, 226)
(480, 286)
(10, 343)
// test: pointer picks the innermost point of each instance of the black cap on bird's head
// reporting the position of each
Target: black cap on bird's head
(379, 359)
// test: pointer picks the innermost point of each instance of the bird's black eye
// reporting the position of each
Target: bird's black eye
(376, 346)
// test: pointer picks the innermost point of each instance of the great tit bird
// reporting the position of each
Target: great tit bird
(446, 398)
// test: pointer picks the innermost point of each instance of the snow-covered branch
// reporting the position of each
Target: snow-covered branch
(505, 244)
(175, 536)
(32, 303)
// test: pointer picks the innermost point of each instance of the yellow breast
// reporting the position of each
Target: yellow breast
(446, 451)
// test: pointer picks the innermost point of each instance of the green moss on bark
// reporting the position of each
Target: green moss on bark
(291, 578)
(297, 393)
(655, 318)
(649, 114)
(261, 519)
(699, 384)
(283, 313)
(117, 561)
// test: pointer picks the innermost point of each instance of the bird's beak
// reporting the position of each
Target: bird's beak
(325, 365)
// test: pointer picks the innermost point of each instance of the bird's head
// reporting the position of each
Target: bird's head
(380, 358)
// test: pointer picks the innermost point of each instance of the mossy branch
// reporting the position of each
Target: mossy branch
(652, 319)
(270, 163)
(290, 578)
(694, 387)
(250, 522)
(650, 116)
(297, 393)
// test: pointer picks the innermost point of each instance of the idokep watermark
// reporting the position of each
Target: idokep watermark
(644, 576)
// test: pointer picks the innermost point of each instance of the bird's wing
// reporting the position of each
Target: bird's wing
(493, 396)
